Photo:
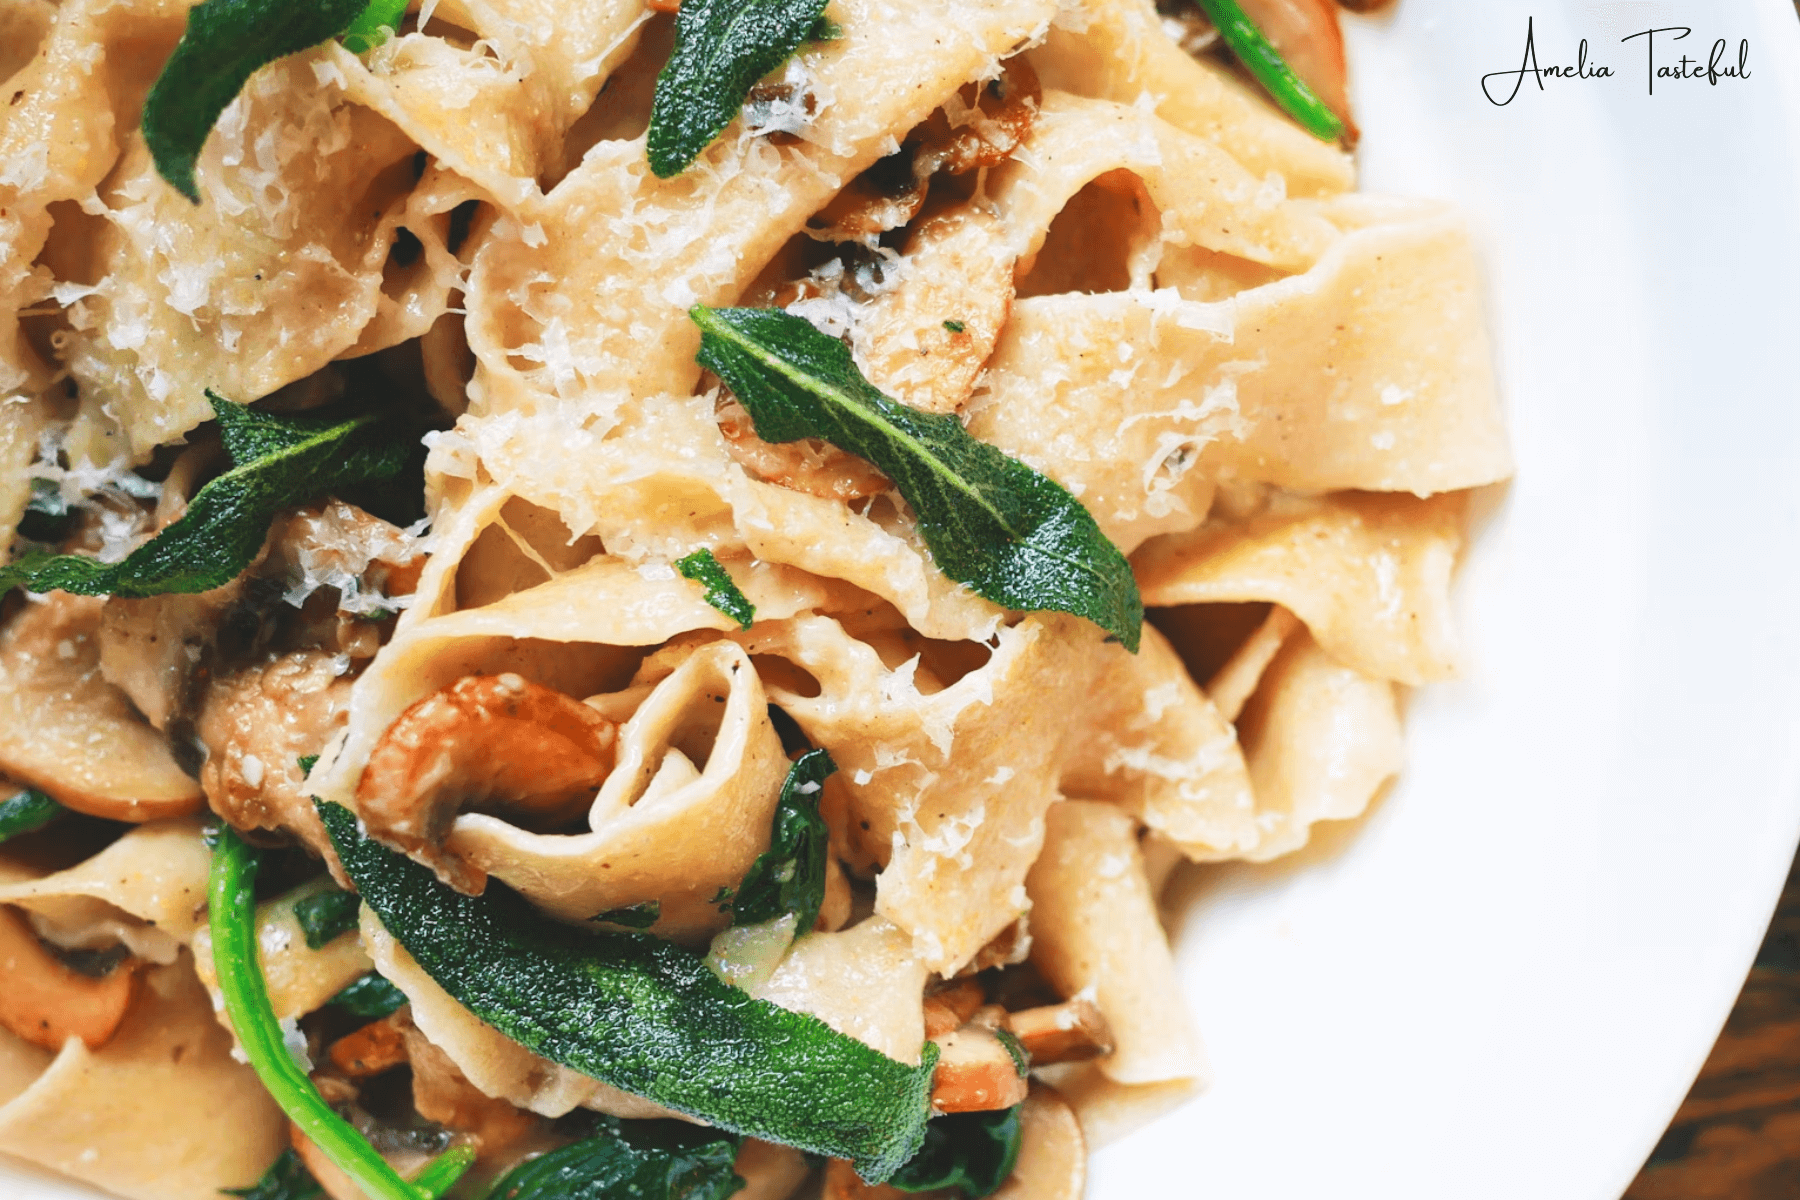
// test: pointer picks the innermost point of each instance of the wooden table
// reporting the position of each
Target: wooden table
(1737, 1136)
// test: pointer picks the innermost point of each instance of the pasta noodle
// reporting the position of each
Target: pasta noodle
(591, 676)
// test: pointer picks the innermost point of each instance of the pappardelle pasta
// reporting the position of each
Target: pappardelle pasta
(639, 598)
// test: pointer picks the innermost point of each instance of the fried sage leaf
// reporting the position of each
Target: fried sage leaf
(226, 42)
(1017, 537)
(646, 1160)
(644, 1015)
(789, 877)
(278, 462)
(970, 1152)
(722, 47)
(26, 811)
(326, 916)
(370, 997)
(721, 592)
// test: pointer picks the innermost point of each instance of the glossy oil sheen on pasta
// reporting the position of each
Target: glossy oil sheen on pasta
(1271, 392)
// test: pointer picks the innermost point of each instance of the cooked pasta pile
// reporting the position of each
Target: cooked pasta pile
(1108, 258)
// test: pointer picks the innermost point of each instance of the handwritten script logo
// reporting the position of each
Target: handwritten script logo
(1718, 67)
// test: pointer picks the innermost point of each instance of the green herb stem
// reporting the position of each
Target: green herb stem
(1259, 56)
(232, 906)
(441, 1173)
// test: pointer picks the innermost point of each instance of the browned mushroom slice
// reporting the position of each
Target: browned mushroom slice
(950, 1007)
(983, 126)
(1307, 35)
(975, 1072)
(376, 1047)
(66, 730)
(496, 1130)
(925, 343)
(1072, 1031)
(884, 197)
(493, 742)
(980, 127)
(1006, 948)
(46, 1002)
(256, 724)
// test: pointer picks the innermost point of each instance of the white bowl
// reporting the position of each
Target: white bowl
(1501, 982)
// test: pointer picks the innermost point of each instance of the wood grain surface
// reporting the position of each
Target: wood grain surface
(1737, 1136)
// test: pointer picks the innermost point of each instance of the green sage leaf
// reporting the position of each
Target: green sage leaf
(326, 916)
(225, 43)
(645, 1160)
(970, 1152)
(278, 462)
(721, 592)
(307, 762)
(1017, 537)
(26, 811)
(370, 997)
(722, 47)
(789, 877)
(641, 1014)
(286, 1179)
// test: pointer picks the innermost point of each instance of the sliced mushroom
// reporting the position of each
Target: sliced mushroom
(493, 742)
(46, 1002)
(1073, 1031)
(256, 724)
(66, 730)
(975, 1072)
(1011, 945)
(497, 1130)
(376, 1047)
(446, 1108)
(925, 343)
(950, 1007)
(981, 126)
